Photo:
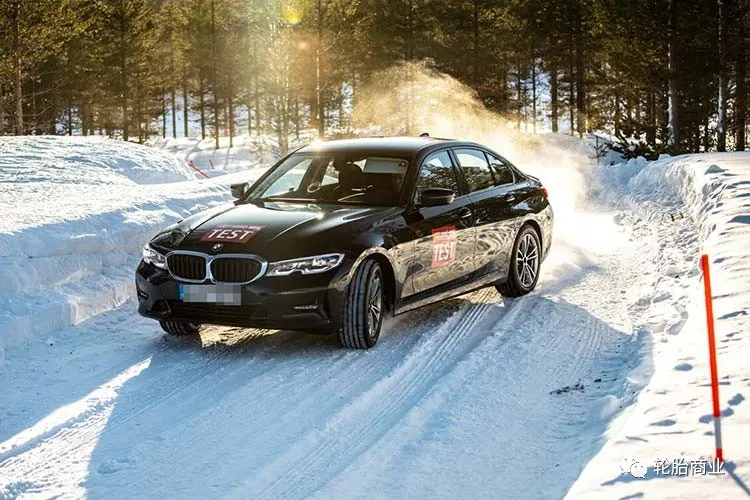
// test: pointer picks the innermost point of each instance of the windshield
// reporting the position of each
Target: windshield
(334, 178)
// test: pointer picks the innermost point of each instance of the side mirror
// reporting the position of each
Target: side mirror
(239, 190)
(437, 196)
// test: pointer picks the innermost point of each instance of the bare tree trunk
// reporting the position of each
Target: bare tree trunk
(409, 55)
(533, 86)
(256, 96)
(2, 110)
(185, 104)
(173, 96)
(740, 104)
(163, 117)
(580, 81)
(519, 110)
(707, 129)
(230, 112)
(202, 105)
(70, 114)
(297, 117)
(572, 89)
(553, 94)
(475, 46)
(721, 121)
(318, 83)
(17, 66)
(616, 112)
(651, 118)
(138, 115)
(672, 109)
(214, 83)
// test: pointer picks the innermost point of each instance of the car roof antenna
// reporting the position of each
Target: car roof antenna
(424, 134)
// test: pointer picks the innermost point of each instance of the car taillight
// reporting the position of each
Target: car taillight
(544, 192)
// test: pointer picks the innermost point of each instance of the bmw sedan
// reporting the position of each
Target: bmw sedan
(337, 235)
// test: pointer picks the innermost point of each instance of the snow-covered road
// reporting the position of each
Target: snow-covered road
(457, 397)
(477, 397)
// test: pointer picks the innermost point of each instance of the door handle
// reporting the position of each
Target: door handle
(511, 198)
(465, 213)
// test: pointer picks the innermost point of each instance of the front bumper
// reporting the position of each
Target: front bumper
(310, 302)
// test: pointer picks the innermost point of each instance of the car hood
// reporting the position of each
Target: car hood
(273, 230)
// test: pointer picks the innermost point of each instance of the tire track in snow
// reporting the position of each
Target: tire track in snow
(375, 411)
(74, 435)
(68, 437)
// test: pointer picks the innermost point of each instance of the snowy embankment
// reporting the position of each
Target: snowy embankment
(75, 214)
(246, 151)
(693, 204)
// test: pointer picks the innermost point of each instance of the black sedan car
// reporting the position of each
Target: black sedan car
(337, 235)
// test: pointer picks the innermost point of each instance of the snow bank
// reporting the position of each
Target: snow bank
(76, 213)
(693, 204)
(246, 151)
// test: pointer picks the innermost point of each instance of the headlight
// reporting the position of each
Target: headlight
(307, 265)
(153, 257)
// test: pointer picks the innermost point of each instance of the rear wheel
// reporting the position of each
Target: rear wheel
(364, 308)
(179, 328)
(524, 266)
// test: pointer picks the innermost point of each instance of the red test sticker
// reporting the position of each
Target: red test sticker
(443, 246)
(231, 234)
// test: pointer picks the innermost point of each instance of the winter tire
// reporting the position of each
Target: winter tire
(179, 328)
(364, 308)
(524, 266)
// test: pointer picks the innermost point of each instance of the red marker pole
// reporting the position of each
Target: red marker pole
(192, 165)
(712, 355)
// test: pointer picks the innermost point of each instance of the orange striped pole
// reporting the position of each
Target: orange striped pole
(712, 356)
(192, 165)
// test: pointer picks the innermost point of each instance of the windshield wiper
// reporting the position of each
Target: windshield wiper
(282, 198)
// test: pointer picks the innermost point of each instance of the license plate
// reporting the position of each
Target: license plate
(226, 295)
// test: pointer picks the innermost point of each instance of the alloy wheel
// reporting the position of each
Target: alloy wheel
(527, 260)
(374, 305)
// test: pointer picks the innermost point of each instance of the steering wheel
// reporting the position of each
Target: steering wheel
(313, 187)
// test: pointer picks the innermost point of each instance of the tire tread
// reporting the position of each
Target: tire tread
(352, 333)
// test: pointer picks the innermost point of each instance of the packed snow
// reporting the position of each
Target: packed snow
(479, 396)
(246, 152)
(690, 205)
(76, 212)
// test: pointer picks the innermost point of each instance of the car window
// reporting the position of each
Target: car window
(503, 172)
(475, 168)
(330, 175)
(347, 177)
(291, 181)
(436, 172)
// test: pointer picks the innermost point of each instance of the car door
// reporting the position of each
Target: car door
(491, 189)
(443, 235)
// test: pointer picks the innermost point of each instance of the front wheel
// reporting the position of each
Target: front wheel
(524, 266)
(364, 308)
(179, 328)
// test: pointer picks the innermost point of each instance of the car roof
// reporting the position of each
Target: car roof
(399, 146)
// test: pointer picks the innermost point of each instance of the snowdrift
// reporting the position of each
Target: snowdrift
(76, 212)
(705, 198)
(246, 151)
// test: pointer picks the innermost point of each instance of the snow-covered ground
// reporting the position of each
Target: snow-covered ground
(689, 205)
(247, 152)
(477, 397)
(75, 214)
